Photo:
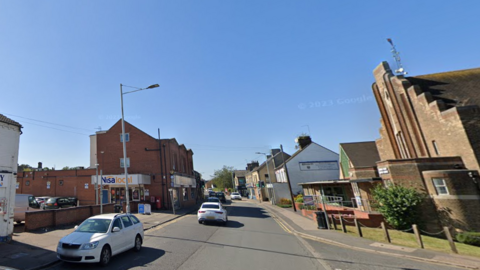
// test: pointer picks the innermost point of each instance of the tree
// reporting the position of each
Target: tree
(24, 168)
(223, 178)
(398, 205)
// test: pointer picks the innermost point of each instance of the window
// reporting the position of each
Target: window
(117, 223)
(134, 219)
(440, 186)
(192, 193)
(27, 183)
(185, 194)
(126, 221)
(435, 147)
(60, 182)
(128, 163)
(127, 137)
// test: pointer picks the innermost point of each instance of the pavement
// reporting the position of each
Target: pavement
(36, 250)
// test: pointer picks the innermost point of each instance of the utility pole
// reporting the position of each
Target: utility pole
(288, 181)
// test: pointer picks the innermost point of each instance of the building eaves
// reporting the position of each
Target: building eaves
(361, 154)
(7, 120)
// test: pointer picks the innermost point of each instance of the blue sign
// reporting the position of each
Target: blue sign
(141, 209)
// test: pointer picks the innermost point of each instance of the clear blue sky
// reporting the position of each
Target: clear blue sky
(236, 77)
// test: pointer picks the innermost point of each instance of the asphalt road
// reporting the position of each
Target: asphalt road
(251, 240)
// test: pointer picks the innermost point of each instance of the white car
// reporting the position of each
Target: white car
(235, 196)
(212, 211)
(100, 237)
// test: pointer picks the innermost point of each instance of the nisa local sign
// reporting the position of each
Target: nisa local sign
(110, 179)
(134, 179)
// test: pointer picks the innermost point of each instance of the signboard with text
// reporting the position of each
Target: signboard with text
(308, 200)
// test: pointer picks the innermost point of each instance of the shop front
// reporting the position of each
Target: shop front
(115, 187)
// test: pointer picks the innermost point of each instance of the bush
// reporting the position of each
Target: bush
(469, 238)
(299, 200)
(285, 201)
(308, 207)
(398, 205)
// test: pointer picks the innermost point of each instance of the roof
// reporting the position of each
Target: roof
(240, 173)
(7, 120)
(299, 151)
(455, 88)
(361, 154)
(340, 181)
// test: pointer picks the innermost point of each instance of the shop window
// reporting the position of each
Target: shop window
(440, 186)
(192, 193)
(185, 194)
(127, 137)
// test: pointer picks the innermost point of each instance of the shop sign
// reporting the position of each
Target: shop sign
(383, 170)
(3, 180)
(116, 180)
(308, 200)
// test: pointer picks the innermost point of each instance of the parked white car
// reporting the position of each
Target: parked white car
(235, 196)
(100, 237)
(212, 211)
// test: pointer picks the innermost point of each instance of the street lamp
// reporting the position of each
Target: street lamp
(269, 180)
(123, 137)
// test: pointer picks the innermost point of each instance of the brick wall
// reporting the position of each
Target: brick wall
(59, 217)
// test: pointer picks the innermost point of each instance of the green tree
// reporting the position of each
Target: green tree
(398, 205)
(223, 178)
(24, 168)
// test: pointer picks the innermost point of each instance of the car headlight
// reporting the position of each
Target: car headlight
(91, 245)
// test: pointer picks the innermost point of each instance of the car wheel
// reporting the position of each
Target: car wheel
(199, 222)
(105, 256)
(138, 243)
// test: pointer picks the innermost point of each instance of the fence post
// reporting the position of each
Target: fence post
(450, 240)
(344, 229)
(334, 222)
(359, 230)
(385, 233)
(417, 235)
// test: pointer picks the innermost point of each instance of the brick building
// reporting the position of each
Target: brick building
(151, 173)
(158, 168)
(430, 140)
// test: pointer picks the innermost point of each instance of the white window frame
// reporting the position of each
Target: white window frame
(439, 186)
(127, 136)
(128, 162)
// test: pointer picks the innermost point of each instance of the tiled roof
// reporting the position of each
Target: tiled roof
(455, 88)
(7, 120)
(361, 154)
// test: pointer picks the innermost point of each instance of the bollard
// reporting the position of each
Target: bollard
(417, 235)
(385, 233)
(450, 240)
(359, 230)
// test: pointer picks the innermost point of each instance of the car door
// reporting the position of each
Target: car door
(129, 232)
(116, 238)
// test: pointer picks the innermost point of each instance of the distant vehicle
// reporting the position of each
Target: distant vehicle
(59, 202)
(74, 200)
(23, 203)
(42, 200)
(211, 193)
(213, 199)
(212, 212)
(100, 237)
(235, 196)
(221, 196)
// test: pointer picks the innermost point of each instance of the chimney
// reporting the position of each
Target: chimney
(275, 151)
(39, 165)
(303, 141)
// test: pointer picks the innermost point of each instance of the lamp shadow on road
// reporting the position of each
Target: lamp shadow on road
(126, 260)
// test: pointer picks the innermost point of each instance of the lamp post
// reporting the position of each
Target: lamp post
(269, 180)
(101, 185)
(123, 138)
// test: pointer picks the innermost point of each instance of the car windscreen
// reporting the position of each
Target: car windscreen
(235, 193)
(211, 206)
(94, 226)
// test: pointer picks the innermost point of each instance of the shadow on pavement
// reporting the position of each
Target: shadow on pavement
(125, 260)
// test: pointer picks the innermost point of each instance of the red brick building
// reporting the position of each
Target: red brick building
(430, 140)
(155, 166)
(158, 168)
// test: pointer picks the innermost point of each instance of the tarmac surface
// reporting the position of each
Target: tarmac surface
(37, 250)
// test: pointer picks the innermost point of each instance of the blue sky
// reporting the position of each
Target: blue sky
(236, 77)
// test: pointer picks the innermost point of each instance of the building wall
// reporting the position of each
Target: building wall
(9, 146)
(312, 152)
(160, 165)
(455, 209)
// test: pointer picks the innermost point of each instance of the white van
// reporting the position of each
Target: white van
(23, 203)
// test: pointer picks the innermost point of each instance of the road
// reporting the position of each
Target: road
(251, 240)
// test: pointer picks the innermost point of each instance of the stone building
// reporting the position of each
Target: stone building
(430, 140)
